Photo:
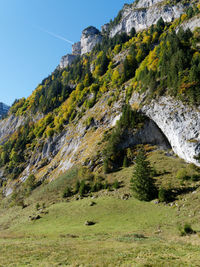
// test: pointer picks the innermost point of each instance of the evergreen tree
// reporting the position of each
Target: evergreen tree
(125, 162)
(142, 183)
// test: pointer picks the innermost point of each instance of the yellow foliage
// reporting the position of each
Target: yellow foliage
(183, 17)
(79, 87)
(49, 131)
(152, 60)
(147, 39)
(155, 36)
(117, 49)
(115, 76)
(196, 55)
(96, 72)
(139, 55)
(100, 54)
(85, 61)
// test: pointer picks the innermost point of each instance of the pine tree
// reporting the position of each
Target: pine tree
(142, 183)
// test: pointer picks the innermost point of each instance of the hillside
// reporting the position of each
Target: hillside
(132, 85)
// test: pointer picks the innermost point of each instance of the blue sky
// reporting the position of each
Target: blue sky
(27, 53)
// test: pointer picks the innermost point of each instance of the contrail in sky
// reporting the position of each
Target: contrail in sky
(57, 36)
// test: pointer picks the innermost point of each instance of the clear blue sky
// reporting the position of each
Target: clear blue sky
(27, 53)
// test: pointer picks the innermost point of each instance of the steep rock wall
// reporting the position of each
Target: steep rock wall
(9, 126)
(144, 14)
(192, 23)
(67, 60)
(90, 37)
(179, 123)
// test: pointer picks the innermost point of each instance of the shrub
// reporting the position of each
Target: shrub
(77, 186)
(163, 195)
(181, 174)
(125, 162)
(186, 229)
(67, 192)
(30, 183)
(83, 189)
(116, 184)
(106, 166)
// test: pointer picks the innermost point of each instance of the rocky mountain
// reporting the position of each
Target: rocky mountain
(90, 37)
(143, 14)
(3, 109)
(72, 115)
(139, 15)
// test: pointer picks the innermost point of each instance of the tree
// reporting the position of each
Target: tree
(30, 183)
(67, 192)
(142, 183)
(133, 32)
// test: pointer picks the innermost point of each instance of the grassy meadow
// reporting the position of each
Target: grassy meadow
(125, 233)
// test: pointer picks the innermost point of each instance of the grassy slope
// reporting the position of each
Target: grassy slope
(60, 238)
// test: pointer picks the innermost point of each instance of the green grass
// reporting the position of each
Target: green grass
(126, 233)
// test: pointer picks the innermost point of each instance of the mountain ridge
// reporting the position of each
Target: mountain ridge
(64, 120)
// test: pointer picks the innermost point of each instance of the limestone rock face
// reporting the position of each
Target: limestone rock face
(9, 126)
(144, 14)
(76, 48)
(179, 123)
(67, 60)
(147, 3)
(90, 37)
(192, 23)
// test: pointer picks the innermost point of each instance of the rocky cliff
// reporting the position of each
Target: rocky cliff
(143, 14)
(67, 60)
(90, 37)
(139, 15)
(179, 123)
(73, 128)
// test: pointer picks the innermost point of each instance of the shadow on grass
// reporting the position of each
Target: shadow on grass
(173, 193)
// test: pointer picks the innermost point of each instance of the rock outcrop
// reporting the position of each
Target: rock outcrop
(146, 3)
(91, 36)
(67, 60)
(192, 23)
(144, 14)
(76, 48)
(179, 123)
(9, 126)
(140, 15)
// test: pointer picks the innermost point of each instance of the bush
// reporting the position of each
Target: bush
(116, 184)
(83, 189)
(182, 174)
(186, 230)
(30, 183)
(125, 162)
(67, 192)
(163, 195)
(77, 186)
